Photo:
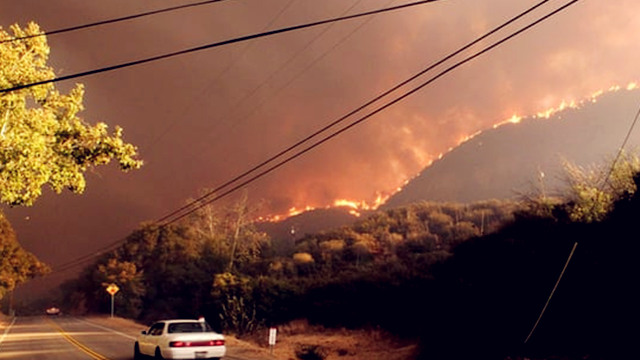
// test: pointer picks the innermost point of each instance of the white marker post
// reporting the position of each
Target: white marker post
(112, 289)
(272, 339)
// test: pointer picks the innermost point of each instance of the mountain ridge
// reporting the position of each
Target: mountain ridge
(516, 158)
(503, 162)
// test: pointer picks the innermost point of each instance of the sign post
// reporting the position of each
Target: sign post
(272, 339)
(112, 289)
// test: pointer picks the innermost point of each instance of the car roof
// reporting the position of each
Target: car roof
(178, 320)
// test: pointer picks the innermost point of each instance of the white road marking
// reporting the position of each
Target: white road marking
(107, 329)
(6, 331)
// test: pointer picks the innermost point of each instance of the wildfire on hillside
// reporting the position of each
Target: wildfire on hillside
(356, 207)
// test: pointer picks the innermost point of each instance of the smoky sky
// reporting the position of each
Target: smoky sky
(203, 118)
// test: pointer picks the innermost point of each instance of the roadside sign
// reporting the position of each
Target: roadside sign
(272, 339)
(272, 336)
(112, 289)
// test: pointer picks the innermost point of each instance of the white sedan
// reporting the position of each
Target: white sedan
(180, 339)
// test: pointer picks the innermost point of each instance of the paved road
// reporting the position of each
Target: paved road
(68, 338)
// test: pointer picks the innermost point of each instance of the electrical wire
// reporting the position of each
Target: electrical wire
(307, 45)
(165, 221)
(84, 259)
(255, 108)
(228, 67)
(360, 108)
(110, 21)
(213, 45)
(546, 305)
(369, 115)
(203, 203)
(620, 151)
(575, 244)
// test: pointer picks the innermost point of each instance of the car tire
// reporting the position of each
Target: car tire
(158, 354)
(136, 352)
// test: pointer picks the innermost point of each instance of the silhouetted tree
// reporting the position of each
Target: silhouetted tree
(16, 264)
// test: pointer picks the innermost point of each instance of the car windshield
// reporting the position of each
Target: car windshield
(189, 327)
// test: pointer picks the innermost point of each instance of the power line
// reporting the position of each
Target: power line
(336, 133)
(86, 258)
(307, 45)
(360, 108)
(213, 45)
(110, 21)
(619, 154)
(255, 108)
(378, 110)
(248, 95)
(300, 153)
(227, 68)
(546, 305)
(575, 244)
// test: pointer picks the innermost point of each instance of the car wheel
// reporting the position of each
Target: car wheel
(158, 354)
(136, 352)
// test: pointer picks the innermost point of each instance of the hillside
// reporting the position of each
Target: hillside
(309, 222)
(507, 161)
(466, 280)
(501, 163)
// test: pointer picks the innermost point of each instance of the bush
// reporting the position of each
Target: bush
(310, 352)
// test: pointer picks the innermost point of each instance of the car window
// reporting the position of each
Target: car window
(187, 327)
(156, 329)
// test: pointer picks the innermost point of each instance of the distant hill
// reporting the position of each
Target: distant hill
(501, 163)
(309, 222)
(507, 161)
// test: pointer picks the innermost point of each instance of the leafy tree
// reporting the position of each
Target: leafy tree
(246, 242)
(238, 308)
(304, 262)
(464, 230)
(332, 250)
(16, 264)
(130, 281)
(593, 190)
(303, 258)
(364, 247)
(229, 233)
(440, 223)
(42, 139)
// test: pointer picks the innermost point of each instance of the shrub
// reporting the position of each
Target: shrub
(310, 352)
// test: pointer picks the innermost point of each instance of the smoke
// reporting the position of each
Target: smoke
(583, 50)
(202, 119)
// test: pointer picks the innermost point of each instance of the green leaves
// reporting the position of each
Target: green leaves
(592, 191)
(42, 139)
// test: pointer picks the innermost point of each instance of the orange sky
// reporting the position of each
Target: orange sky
(201, 119)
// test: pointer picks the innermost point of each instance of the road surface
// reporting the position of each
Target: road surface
(66, 338)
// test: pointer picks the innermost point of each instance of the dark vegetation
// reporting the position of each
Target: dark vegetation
(16, 264)
(310, 352)
(468, 281)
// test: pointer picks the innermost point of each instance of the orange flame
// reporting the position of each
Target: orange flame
(295, 211)
(356, 207)
(545, 114)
